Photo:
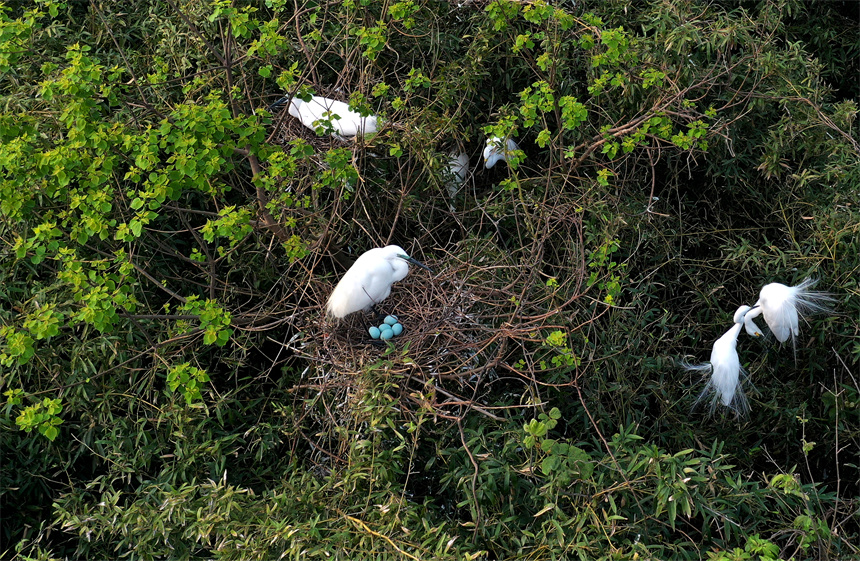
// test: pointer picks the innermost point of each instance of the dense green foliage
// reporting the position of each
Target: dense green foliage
(169, 239)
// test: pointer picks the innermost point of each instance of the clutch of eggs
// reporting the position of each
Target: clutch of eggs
(387, 329)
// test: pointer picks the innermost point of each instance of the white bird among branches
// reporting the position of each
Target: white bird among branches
(783, 306)
(496, 150)
(725, 385)
(368, 282)
(322, 114)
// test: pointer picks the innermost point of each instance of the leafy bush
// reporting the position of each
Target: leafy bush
(170, 235)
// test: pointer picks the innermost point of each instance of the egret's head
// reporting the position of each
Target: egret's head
(395, 252)
(493, 152)
(414, 262)
(498, 149)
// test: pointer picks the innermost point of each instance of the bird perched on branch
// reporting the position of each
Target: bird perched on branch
(322, 113)
(368, 282)
(783, 306)
(496, 150)
(458, 167)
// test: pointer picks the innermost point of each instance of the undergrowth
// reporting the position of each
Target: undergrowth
(170, 237)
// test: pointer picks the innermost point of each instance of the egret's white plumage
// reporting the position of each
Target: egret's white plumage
(458, 168)
(746, 315)
(725, 384)
(344, 121)
(369, 280)
(782, 306)
(496, 150)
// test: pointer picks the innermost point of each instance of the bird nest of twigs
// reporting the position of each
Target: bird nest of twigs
(466, 329)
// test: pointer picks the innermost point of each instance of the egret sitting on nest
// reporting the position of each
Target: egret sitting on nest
(320, 110)
(725, 367)
(368, 281)
(782, 306)
(494, 151)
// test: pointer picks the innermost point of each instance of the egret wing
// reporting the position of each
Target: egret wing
(376, 279)
(350, 294)
(782, 322)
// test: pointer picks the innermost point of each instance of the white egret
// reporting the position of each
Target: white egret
(368, 281)
(725, 384)
(322, 110)
(494, 151)
(458, 168)
(782, 306)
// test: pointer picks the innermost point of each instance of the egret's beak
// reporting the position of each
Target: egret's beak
(416, 262)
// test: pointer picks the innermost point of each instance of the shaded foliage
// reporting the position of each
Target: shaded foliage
(170, 237)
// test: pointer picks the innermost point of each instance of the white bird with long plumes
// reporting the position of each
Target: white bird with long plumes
(783, 306)
(725, 384)
(496, 150)
(320, 111)
(368, 282)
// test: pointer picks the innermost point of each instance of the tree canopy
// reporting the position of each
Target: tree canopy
(170, 235)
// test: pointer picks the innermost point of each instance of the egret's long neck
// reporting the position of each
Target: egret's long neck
(732, 334)
(753, 313)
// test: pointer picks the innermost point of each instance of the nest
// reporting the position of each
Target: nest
(465, 329)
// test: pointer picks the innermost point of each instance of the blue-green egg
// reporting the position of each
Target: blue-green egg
(390, 320)
(397, 329)
(387, 334)
(374, 332)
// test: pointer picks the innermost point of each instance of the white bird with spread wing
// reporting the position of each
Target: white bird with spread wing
(368, 282)
(782, 307)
